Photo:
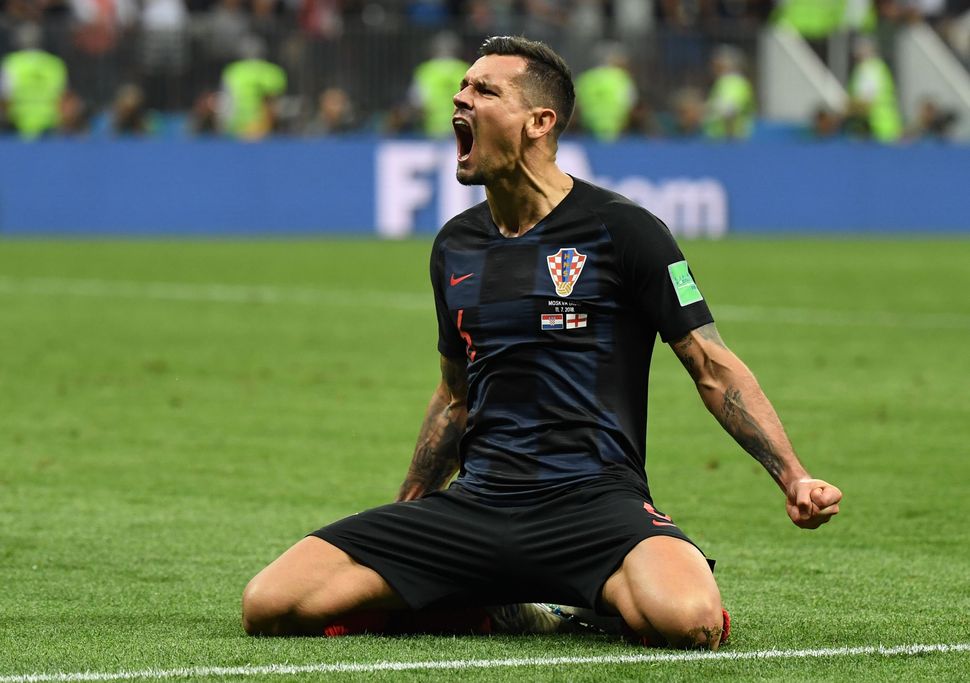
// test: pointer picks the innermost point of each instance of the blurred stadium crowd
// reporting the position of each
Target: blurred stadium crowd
(256, 68)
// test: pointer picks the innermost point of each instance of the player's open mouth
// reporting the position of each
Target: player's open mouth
(464, 136)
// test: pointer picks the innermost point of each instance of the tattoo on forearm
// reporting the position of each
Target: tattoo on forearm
(436, 454)
(740, 424)
(435, 457)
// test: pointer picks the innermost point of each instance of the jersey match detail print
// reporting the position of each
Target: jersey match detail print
(574, 320)
(551, 321)
(565, 267)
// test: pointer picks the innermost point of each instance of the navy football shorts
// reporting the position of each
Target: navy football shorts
(453, 548)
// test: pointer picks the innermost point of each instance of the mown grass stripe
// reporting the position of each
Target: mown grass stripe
(271, 294)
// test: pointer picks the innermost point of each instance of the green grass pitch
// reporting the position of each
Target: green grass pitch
(174, 414)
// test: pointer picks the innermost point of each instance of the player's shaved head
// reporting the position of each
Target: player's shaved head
(547, 81)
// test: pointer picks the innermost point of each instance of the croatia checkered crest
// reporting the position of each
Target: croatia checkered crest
(565, 267)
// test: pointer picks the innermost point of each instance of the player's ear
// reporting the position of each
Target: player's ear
(541, 122)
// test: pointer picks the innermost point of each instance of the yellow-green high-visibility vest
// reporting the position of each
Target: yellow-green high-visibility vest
(884, 119)
(811, 18)
(248, 83)
(605, 95)
(438, 80)
(33, 82)
(731, 97)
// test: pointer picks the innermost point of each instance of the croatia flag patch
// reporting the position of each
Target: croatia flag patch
(551, 321)
(565, 267)
(574, 320)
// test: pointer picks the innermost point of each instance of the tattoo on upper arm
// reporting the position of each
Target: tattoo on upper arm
(740, 424)
(687, 349)
(682, 349)
(709, 332)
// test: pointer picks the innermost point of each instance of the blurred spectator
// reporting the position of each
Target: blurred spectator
(321, 18)
(434, 13)
(682, 44)
(737, 13)
(98, 33)
(435, 83)
(586, 17)
(226, 26)
(100, 23)
(250, 89)
(398, 120)
(204, 116)
(813, 19)
(860, 16)
(717, 17)
(826, 124)
(321, 43)
(75, 116)
(872, 92)
(545, 19)
(164, 52)
(129, 114)
(645, 121)
(632, 19)
(265, 19)
(180, 48)
(632, 23)
(687, 114)
(683, 14)
(582, 32)
(30, 11)
(32, 83)
(730, 106)
(606, 94)
(489, 17)
(334, 114)
(932, 122)
(911, 10)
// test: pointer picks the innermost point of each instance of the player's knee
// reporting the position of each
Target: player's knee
(264, 608)
(694, 625)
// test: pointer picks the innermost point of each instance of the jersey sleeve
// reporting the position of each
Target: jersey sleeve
(655, 275)
(450, 343)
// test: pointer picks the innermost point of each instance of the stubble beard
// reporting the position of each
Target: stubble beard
(475, 177)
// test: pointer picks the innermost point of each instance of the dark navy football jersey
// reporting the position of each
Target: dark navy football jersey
(558, 327)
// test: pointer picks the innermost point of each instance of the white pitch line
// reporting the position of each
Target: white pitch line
(270, 294)
(459, 664)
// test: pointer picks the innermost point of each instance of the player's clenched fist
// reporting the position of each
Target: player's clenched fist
(812, 502)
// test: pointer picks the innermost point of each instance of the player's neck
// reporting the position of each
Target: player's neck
(518, 202)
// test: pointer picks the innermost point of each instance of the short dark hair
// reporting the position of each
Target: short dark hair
(547, 80)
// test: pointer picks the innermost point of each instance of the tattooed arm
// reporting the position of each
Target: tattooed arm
(436, 454)
(732, 394)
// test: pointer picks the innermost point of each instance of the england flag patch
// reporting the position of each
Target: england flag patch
(565, 267)
(551, 321)
(574, 320)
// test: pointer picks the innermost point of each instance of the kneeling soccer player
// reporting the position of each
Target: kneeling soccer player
(549, 297)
